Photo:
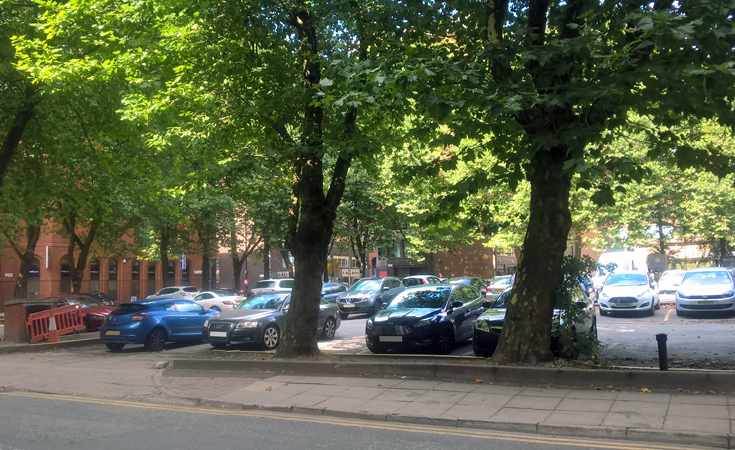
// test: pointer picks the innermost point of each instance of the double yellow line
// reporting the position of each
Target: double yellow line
(327, 420)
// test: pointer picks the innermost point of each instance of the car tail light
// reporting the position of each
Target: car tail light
(138, 317)
(488, 289)
(228, 303)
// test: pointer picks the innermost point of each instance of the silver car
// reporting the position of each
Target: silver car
(709, 289)
(668, 284)
(628, 291)
(175, 292)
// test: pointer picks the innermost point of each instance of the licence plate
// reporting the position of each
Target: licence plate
(112, 333)
(218, 334)
(348, 305)
(706, 302)
(390, 338)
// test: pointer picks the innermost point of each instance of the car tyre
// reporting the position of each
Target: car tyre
(593, 329)
(481, 353)
(115, 346)
(218, 346)
(374, 349)
(329, 328)
(658, 305)
(603, 313)
(652, 310)
(344, 315)
(445, 341)
(377, 306)
(156, 340)
(681, 313)
(271, 337)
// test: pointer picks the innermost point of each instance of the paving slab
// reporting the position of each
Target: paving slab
(471, 412)
(585, 405)
(533, 403)
(568, 417)
(376, 406)
(697, 411)
(631, 419)
(697, 424)
(485, 400)
(521, 415)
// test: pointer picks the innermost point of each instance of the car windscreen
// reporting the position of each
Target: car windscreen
(705, 278)
(421, 298)
(501, 281)
(263, 301)
(222, 292)
(412, 282)
(85, 301)
(627, 279)
(502, 301)
(674, 277)
(458, 281)
(264, 284)
(129, 308)
(365, 285)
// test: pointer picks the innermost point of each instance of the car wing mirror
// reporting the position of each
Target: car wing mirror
(457, 304)
(487, 304)
(581, 305)
(386, 288)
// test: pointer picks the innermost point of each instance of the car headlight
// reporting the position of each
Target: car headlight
(206, 322)
(247, 324)
(482, 326)
(643, 294)
(369, 323)
(422, 323)
(682, 295)
(728, 293)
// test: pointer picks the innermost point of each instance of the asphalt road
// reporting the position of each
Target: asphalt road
(41, 421)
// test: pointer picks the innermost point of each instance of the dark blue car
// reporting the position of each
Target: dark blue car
(153, 323)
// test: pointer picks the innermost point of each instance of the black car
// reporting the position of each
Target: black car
(477, 282)
(368, 295)
(434, 316)
(260, 319)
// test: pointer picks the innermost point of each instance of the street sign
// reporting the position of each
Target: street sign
(183, 261)
(657, 262)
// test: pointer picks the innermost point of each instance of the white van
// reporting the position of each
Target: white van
(624, 260)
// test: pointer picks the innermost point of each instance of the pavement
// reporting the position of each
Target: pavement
(451, 400)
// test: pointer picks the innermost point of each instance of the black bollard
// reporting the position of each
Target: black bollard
(663, 355)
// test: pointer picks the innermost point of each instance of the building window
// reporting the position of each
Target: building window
(135, 280)
(112, 281)
(33, 288)
(151, 277)
(171, 273)
(65, 276)
(94, 275)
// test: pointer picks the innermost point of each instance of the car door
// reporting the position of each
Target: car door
(191, 318)
(205, 299)
(168, 317)
(457, 314)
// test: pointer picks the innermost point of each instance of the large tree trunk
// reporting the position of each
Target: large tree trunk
(163, 252)
(77, 266)
(266, 258)
(26, 260)
(526, 335)
(287, 261)
(22, 117)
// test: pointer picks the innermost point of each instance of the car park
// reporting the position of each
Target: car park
(668, 284)
(429, 317)
(260, 319)
(418, 280)
(497, 286)
(368, 295)
(489, 325)
(94, 310)
(706, 289)
(218, 300)
(153, 323)
(477, 282)
(272, 285)
(628, 291)
(175, 292)
(332, 291)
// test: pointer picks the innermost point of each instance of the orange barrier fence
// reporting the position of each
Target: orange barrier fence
(68, 319)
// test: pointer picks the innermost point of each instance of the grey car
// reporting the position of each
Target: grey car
(259, 320)
(369, 295)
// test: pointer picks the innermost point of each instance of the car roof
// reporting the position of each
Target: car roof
(160, 300)
(708, 269)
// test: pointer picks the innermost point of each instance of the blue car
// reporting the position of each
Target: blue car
(153, 323)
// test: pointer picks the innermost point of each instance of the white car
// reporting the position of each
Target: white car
(628, 291)
(218, 300)
(175, 292)
(668, 284)
(273, 285)
(709, 289)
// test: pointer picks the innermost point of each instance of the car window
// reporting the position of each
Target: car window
(394, 283)
(184, 306)
(166, 291)
(191, 289)
(411, 282)
(168, 306)
(85, 301)
(434, 280)
(472, 294)
(627, 279)
(503, 299)
(264, 284)
(203, 297)
(700, 278)
(323, 302)
(435, 297)
(287, 284)
(262, 301)
(128, 308)
(365, 285)
(460, 295)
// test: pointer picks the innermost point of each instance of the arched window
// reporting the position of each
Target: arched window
(151, 277)
(135, 280)
(94, 275)
(65, 287)
(33, 288)
(112, 280)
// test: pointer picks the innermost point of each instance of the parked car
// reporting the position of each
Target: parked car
(709, 289)
(433, 317)
(628, 291)
(477, 282)
(154, 322)
(260, 319)
(368, 295)
(175, 292)
(217, 300)
(272, 285)
(95, 311)
(497, 286)
(668, 284)
(332, 291)
(418, 280)
(101, 296)
(490, 324)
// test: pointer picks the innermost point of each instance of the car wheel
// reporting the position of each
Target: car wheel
(343, 315)
(215, 308)
(86, 327)
(603, 313)
(481, 353)
(377, 306)
(658, 304)
(330, 328)
(156, 340)
(445, 341)
(271, 337)
(218, 346)
(374, 349)
(681, 313)
(593, 329)
(115, 346)
(652, 310)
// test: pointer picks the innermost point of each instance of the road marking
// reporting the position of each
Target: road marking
(464, 432)
(667, 315)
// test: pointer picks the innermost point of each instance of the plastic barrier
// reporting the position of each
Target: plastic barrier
(68, 319)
